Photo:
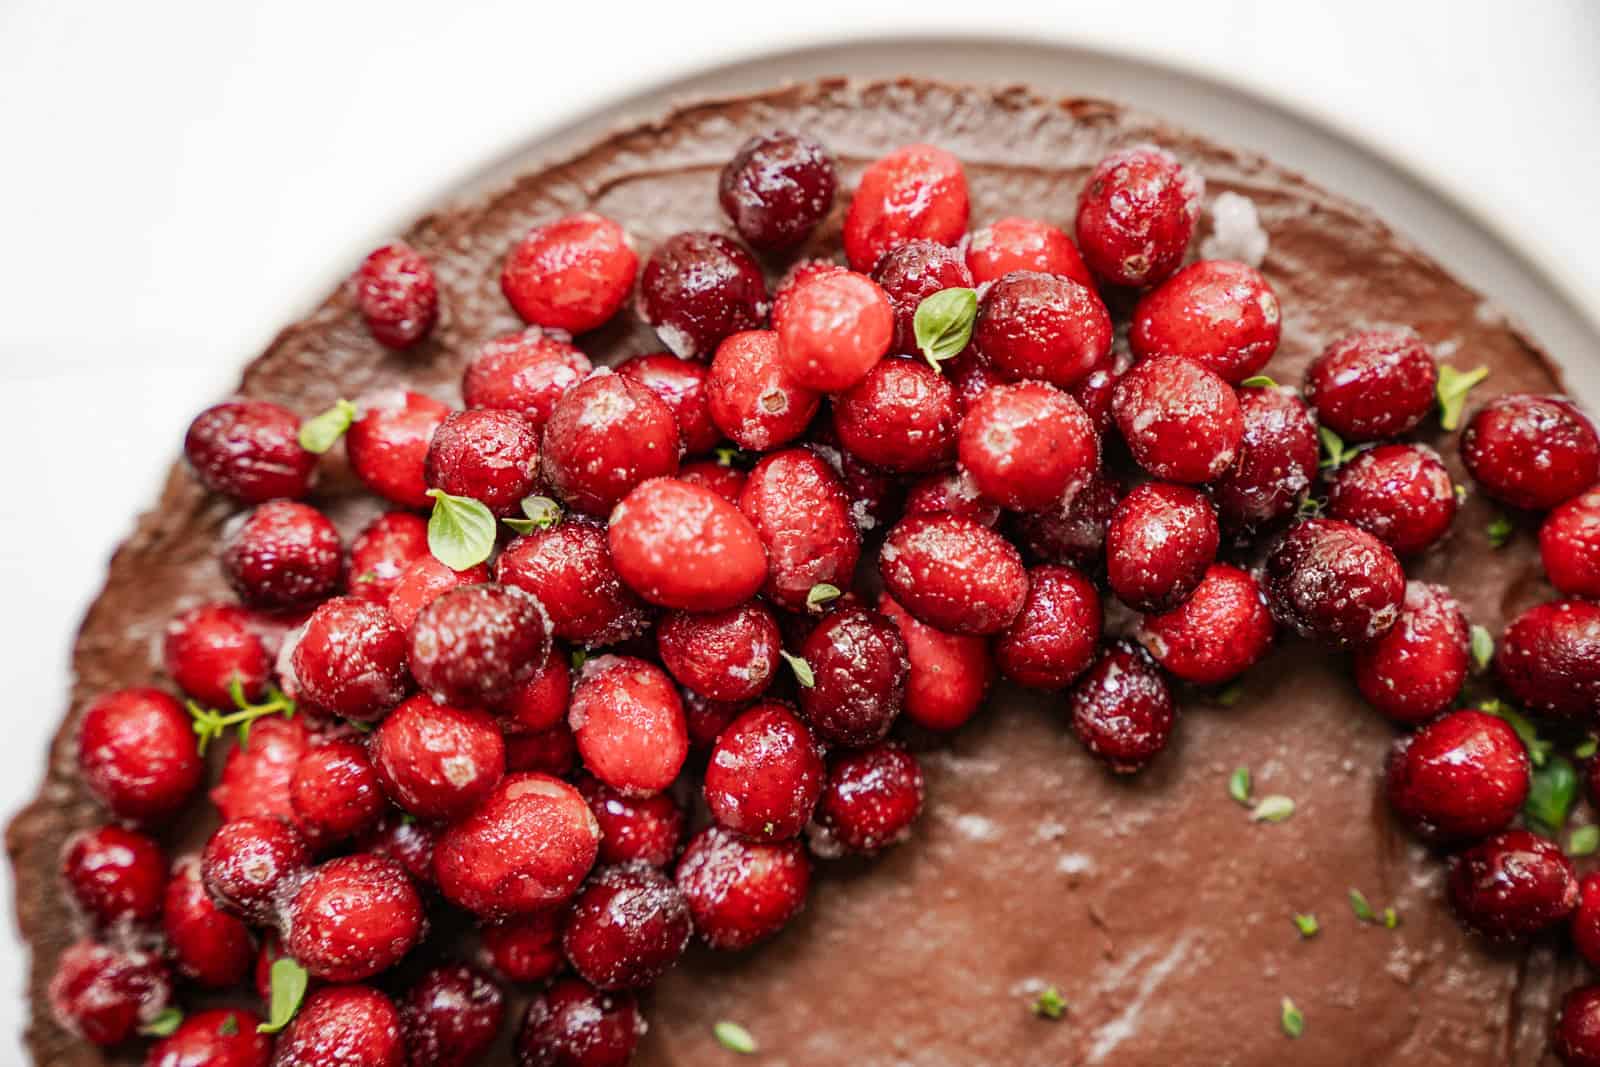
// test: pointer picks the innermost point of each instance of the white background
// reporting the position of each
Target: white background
(178, 179)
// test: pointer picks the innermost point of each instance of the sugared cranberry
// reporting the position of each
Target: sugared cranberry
(724, 479)
(918, 191)
(1122, 710)
(221, 1037)
(103, 994)
(271, 952)
(249, 450)
(388, 444)
(406, 841)
(1159, 544)
(541, 702)
(137, 753)
(1415, 670)
(627, 928)
(707, 719)
(397, 295)
(723, 655)
(553, 751)
(699, 287)
(1549, 658)
(742, 892)
(351, 659)
(1577, 1034)
(1586, 920)
(628, 721)
(1336, 583)
(1073, 531)
(1463, 776)
(354, 917)
(1512, 886)
(1042, 326)
(765, 774)
(249, 862)
(1222, 315)
(953, 574)
(490, 456)
(1181, 421)
(605, 437)
(1277, 461)
(682, 546)
(1014, 243)
(951, 492)
(210, 648)
(799, 509)
(572, 1024)
(901, 417)
(912, 272)
(1136, 215)
(634, 829)
(753, 398)
(282, 555)
(208, 945)
(1372, 385)
(474, 645)
(383, 551)
(859, 667)
(568, 569)
(872, 797)
(1028, 445)
(526, 372)
(436, 761)
(114, 874)
(344, 1026)
(873, 494)
(255, 776)
(1053, 640)
(424, 582)
(1531, 451)
(571, 274)
(681, 385)
(1220, 631)
(832, 329)
(451, 1015)
(526, 948)
(949, 674)
(1569, 545)
(777, 187)
(1401, 494)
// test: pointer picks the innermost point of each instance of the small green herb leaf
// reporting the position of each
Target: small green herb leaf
(460, 531)
(1311, 507)
(1585, 841)
(734, 1038)
(579, 657)
(1538, 748)
(1461, 494)
(1335, 452)
(1391, 918)
(1049, 1004)
(1586, 748)
(1239, 785)
(318, 433)
(1230, 695)
(820, 594)
(210, 724)
(1260, 381)
(1550, 796)
(1453, 388)
(542, 514)
(728, 456)
(1274, 808)
(802, 670)
(1359, 905)
(1482, 648)
(288, 990)
(1307, 925)
(163, 1025)
(943, 324)
(1499, 531)
(229, 1026)
(1294, 1023)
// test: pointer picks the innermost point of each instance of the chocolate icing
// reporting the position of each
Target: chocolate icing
(1154, 904)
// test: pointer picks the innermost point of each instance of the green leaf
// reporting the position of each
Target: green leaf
(820, 594)
(460, 531)
(1391, 918)
(1310, 507)
(210, 724)
(163, 1025)
(1049, 1004)
(1452, 391)
(579, 658)
(1274, 808)
(734, 1038)
(802, 670)
(318, 433)
(1550, 796)
(1586, 748)
(289, 981)
(943, 324)
(1538, 748)
(1482, 648)
(1335, 452)
(1461, 494)
(1359, 905)
(728, 456)
(1585, 841)
(1239, 785)
(1293, 1022)
(1307, 925)
(1499, 531)
(542, 514)
(1260, 381)
(1230, 695)
(229, 1027)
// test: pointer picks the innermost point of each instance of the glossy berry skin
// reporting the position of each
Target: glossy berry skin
(1512, 886)
(918, 191)
(901, 417)
(1569, 546)
(1073, 531)
(1122, 710)
(1220, 631)
(1027, 446)
(406, 841)
(221, 1037)
(723, 655)
(1094, 391)
(425, 581)
(526, 948)
(1277, 462)
(628, 720)
(872, 797)
(572, 1024)
(1549, 658)
(753, 398)
(832, 329)
(568, 569)
(437, 761)
(777, 187)
(475, 645)
(541, 702)
(208, 945)
(1136, 215)
(525, 848)
(1054, 639)
(388, 444)
(104, 994)
(970, 374)
(382, 553)
(742, 892)
(699, 287)
(397, 295)
(1014, 243)
(634, 829)
(451, 1016)
(351, 660)
(354, 917)
(909, 274)
(954, 492)
(953, 574)
(799, 509)
(707, 719)
(682, 546)
(1372, 385)
(724, 479)
(114, 874)
(1222, 315)
(571, 274)
(248, 863)
(282, 555)
(490, 456)
(1416, 670)
(1402, 494)
(873, 494)
(1042, 326)
(553, 751)
(1586, 920)
(681, 385)
(859, 664)
(765, 774)
(255, 778)
(627, 928)
(137, 754)
(344, 1026)
(209, 647)
(1530, 451)
(249, 450)
(950, 674)
(1335, 583)
(1181, 422)
(1161, 540)
(524, 371)
(1577, 1033)
(1463, 776)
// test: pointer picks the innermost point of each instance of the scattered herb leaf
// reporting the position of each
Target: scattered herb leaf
(802, 670)
(1049, 1004)
(1586, 748)
(1461, 494)
(460, 530)
(542, 513)
(1311, 507)
(579, 657)
(1336, 452)
(1274, 808)
(1260, 381)
(1307, 925)
(943, 324)
(163, 1025)
(1362, 909)
(229, 1026)
(318, 433)
(820, 594)
(728, 456)
(289, 981)
(1293, 1022)
(1391, 918)
(734, 1038)
(1230, 696)
(1239, 785)
(1585, 841)
(1453, 388)
(1538, 748)
(1499, 531)
(1482, 648)
(210, 724)
(1550, 796)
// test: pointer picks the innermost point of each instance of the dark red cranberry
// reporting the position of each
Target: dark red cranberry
(765, 774)
(1400, 494)
(949, 674)
(1335, 583)
(1042, 326)
(1415, 670)
(873, 494)
(137, 754)
(912, 272)
(1531, 451)
(950, 492)
(1095, 390)
(436, 761)
(249, 450)
(872, 797)
(859, 666)
(1159, 544)
(271, 952)
(1073, 531)
(221, 1037)
(525, 371)
(1569, 545)
(724, 479)
(971, 375)
(526, 948)
(1222, 315)
(605, 437)
(707, 719)
(104, 994)
(568, 569)
(490, 456)
(801, 514)
(571, 274)
(1136, 215)
(1122, 710)
(723, 655)
(282, 555)
(1219, 632)
(802, 271)
(1054, 639)
(901, 417)
(406, 841)
(1586, 920)
(1014, 243)
(248, 863)
(1372, 385)
(953, 574)
(208, 945)
(354, 917)
(777, 187)
(1577, 1033)
(475, 645)
(1028, 445)
(753, 398)
(572, 1024)
(255, 776)
(685, 547)
(383, 551)
(211, 648)
(1181, 421)
(1277, 461)
(351, 659)
(344, 1026)
(424, 582)
(699, 287)
(832, 329)
(114, 874)
(388, 444)
(627, 928)
(553, 751)
(541, 702)
(628, 721)
(918, 191)
(451, 1016)
(1512, 886)
(1462, 776)
(742, 892)
(681, 385)
(1549, 658)
(634, 829)
(397, 295)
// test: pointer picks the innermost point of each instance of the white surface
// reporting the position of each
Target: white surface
(179, 179)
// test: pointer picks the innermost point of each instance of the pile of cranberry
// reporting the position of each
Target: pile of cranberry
(493, 728)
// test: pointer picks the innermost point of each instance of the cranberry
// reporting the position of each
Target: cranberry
(208, 945)
(627, 928)
(954, 574)
(568, 569)
(724, 479)
(553, 751)
(249, 450)
(742, 892)
(103, 994)
(832, 329)
(354, 917)
(282, 555)
(918, 191)
(1219, 632)
(1122, 710)
(406, 841)
(1028, 446)
(436, 761)
(681, 385)
(424, 582)
(1531, 451)
(859, 665)
(777, 188)
(1512, 886)
(527, 847)
(383, 551)
(724, 655)
(1042, 326)
(1577, 1034)
(527, 948)
(388, 444)
(571, 274)
(1372, 385)
(698, 288)
(248, 863)
(344, 1026)
(1074, 530)
(1463, 776)
(490, 456)
(1014, 243)
(1053, 640)
(397, 295)
(682, 546)
(1549, 658)
(1415, 670)
(628, 721)
(1277, 461)
(765, 774)
(1095, 390)
(271, 952)
(949, 674)
(1136, 215)
(1161, 539)
(954, 492)
(605, 437)
(901, 417)
(752, 396)
(1181, 421)
(1586, 920)
(971, 375)
(1220, 314)
(351, 659)
(1336, 583)
(221, 1037)
(210, 648)
(572, 1024)
(1569, 545)
(541, 702)
(475, 645)
(912, 272)
(634, 829)
(137, 753)
(872, 798)
(114, 874)
(255, 776)
(873, 494)
(801, 513)
(451, 1016)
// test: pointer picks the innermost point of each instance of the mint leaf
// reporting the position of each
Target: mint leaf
(1307, 925)
(1290, 1018)
(1482, 648)
(820, 594)
(1550, 796)
(734, 1038)
(1585, 841)
(542, 514)
(318, 433)
(1260, 381)
(460, 530)
(1239, 785)
(289, 981)
(1538, 748)
(943, 324)
(1452, 391)
(1587, 747)
(1499, 531)
(229, 1027)
(163, 1025)
(1049, 1004)
(802, 670)
(1274, 808)
(1359, 905)
(1335, 452)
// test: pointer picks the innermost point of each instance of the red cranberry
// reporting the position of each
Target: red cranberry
(208, 945)
(210, 648)
(527, 948)
(707, 719)
(351, 659)
(752, 396)
(832, 329)
(777, 188)
(872, 798)
(344, 1026)
(1569, 545)
(628, 721)
(1372, 385)
(397, 295)
(1095, 390)
(1401, 494)
(859, 665)
(1512, 886)
(388, 444)
(627, 928)
(901, 417)
(1136, 215)
(406, 841)
(685, 547)
(1586, 920)
(971, 375)
(137, 754)
(568, 569)
(801, 513)
(103, 994)
(918, 191)
(1277, 461)
(949, 674)
(527, 847)
(954, 574)
(1220, 314)
(114, 874)
(1181, 421)
(1415, 670)
(1122, 710)
(475, 645)
(1014, 243)
(1159, 544)
(724, 655)
(541, 702)
(282, 555)
(698, 288)
(255, 776)
(954, 492)
(1577, 1035)
(451, 1016)
(724, 479)
(1053, 640)
(383, 551)
(249, 862)
(571, 274)
(1218, 633)
(1463, 776)
(271, 952)
(912, 272)
(873, 494)
(634, 829)
(221, 1037)
(436, 761)
(524, 371)
(490, 456)
(1042, 326)
(424, 582)
(553, 751)
(742, 892)
(1074, 530)
(765, 774)
(605, 437)
(1531, 451)
(354, 917)
(572, 1024)
(249, 450)
(1549, 658)
(681, 385)
(1028, 446)
(1336, 583)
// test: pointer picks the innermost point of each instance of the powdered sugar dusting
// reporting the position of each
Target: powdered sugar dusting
(1236, 231)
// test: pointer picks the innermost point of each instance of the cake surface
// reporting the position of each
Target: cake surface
(1156, 906)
